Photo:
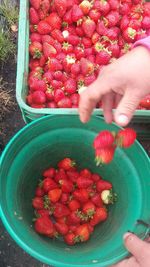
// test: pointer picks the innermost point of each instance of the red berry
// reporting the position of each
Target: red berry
(125, 138)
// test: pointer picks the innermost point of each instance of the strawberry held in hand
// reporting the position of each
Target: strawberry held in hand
(105, 144)
(125, 138)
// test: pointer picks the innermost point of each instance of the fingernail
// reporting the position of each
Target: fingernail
(123, 119)
(82, 89)
(126, 235)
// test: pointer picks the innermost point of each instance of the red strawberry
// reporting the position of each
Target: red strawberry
(146, 23)
(114, 4)
(84, 182)
(86, 173)
(38, 106)
(79, 31)
(35, 37)
(79, 52)
(45, 6)
(58, 75)
(58, 95)
(66, 185)
(72, 175)
(64, 198)
(103, 57)
(95, 38)
(54, 64)
(61, 7)
(73, 39)
(90, 79)
(75, 99)
(51, 105)
(67, 48)
(103, 185)
(113, 33)
(104, 155)
(100, 28)
(49, 184)
(54, 194)
(56, 84)
(85, 6)
(62, 228)
(38, 97)
(74, 205)
(145, 102)
(88, 27)
(35, 49)
(60, 210)
(102, 6)
(75, 68)
(57, 35)
(66, 164)
(34, 63)
(81, 195)
(37, 84)
(99, 216)
(60, 175)
(35, 3)
(69, 239)
(54, 21)
(96, 199)
(114, 49)
(112, 18)
(89, 208)
(48, 76)
(96, 177)
(129, 34)
(124, 8)
(39, 192)
(44, 225)
(43, 213)
(86, 42)
(38, 203)
(44, 27)
(125, 138)
(94, 15)
(50, 172)
(34, 17)
(49, 94)
(104, 139)
(68, 17)
(49, 50)
(76, 13)
(47, 39)
(82, 233)
(87, 67)
(70, 86)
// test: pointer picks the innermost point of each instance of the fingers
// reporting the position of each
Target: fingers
(107, 104)
(138, 248)
(126, 108)
(91, 96)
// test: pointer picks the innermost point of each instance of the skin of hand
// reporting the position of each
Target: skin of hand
(124, 82)
(140, 251)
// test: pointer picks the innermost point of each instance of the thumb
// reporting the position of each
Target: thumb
(126, 108)
(138, 248)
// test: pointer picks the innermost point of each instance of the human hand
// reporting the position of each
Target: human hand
(140, 251)
(125, 81)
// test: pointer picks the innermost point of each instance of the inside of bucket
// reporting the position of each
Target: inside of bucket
(46, 150)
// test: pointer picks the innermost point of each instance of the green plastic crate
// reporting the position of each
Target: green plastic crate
(29, 114)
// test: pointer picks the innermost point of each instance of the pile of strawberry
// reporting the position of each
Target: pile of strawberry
(71, 41)
(69, 203)
(106, 142)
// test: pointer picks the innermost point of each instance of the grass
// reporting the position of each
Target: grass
(9, 21)
(7, 46)
(9, 13)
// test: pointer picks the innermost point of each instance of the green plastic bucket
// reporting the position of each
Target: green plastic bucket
(43, 143)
